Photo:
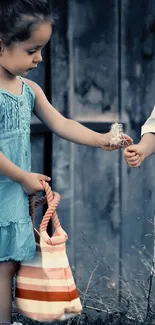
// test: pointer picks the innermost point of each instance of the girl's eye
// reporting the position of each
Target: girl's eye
(30, 52)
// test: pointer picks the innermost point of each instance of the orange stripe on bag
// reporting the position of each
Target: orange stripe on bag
(45, 288)
(46, 296)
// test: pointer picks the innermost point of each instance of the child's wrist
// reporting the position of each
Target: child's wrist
(22, 175)
(103, 140)
(143, 151)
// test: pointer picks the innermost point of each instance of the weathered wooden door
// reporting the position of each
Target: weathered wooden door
(101, 71)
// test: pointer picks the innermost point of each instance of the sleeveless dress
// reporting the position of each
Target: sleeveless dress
(17, 240)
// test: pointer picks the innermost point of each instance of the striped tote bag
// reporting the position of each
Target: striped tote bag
(45, 288)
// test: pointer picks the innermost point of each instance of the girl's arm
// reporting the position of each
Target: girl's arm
(66, 128)
(30, 182)
(9, 169)
(147, 144)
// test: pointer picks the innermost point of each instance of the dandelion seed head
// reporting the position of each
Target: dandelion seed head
(116, 134)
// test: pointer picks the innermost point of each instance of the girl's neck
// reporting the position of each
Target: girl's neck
(6, 76)
(10, 82)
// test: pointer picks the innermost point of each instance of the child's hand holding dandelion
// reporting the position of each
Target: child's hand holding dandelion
(116, 139)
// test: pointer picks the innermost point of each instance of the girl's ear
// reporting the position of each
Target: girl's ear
(1, 46)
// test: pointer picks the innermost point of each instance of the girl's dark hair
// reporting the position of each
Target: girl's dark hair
(19, 17)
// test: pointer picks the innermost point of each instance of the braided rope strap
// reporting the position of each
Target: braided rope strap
(34, 205)
(53, 199)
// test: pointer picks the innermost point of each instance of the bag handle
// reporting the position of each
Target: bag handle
(53, 199)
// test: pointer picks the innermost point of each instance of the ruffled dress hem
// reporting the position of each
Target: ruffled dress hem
(17, 259)
(17, 241)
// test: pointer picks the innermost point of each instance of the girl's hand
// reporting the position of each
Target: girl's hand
(134, 155)
(31, 182)
(106, 142)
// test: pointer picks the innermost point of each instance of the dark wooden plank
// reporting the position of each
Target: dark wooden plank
(39, 75)
(93, 53)
(37, 136)
(97, 225)
(138, 185)
(61, 148)
(37, 153)
(94, 183)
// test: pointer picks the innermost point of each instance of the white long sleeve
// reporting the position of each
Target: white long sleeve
(149, 125)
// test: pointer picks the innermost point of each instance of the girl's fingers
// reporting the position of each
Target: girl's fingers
(44, 178)
(129, 154)
(135, 164)
(126, 137)
(133, 159)
(47, 179)
(131, 150)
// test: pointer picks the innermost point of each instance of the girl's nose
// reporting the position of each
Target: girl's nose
(38, 58)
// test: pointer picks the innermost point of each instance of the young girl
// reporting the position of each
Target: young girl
(135, 154)
(25, 28)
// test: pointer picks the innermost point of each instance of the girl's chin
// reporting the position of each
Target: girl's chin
(25, 72)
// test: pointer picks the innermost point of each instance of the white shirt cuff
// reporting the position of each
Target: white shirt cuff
(147, 129)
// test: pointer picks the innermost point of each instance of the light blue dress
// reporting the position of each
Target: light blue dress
(16, 231)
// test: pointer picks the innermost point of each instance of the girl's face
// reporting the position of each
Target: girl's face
(20, 57)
